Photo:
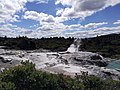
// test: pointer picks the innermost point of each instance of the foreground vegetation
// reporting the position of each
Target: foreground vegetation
(24, 43)
(26, 77)
(107, 45)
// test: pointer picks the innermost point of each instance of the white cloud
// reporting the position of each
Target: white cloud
(94, 25)
(84, 8)
(49, 25)
(48, 19)
(78, 30)
(117, 22)
(64, 2)
(54, 26)
(32, 15)
(56, 29)
(59, 11)
(41, 17)
(12, 30)
(8, 9)
(93, 33)
(38, 1)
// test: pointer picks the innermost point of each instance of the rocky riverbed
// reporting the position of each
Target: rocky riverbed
(69, 63)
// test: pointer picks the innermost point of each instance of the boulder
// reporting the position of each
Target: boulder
(111, 72)
(64, 61)
(96, 57)
(90, 59)
(1, 59)
(100, 63)
(2, 69)
(5, 60)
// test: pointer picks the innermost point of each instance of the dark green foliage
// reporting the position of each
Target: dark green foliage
(24, 43)
(7, 86)
(107, 45)
(54, 44)
(26, 77)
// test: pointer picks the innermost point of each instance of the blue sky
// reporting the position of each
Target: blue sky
(51, 18)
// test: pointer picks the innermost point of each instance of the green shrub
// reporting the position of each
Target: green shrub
(26, 77)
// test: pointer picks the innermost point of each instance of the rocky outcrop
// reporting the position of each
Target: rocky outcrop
(91, 62)
(5, 60)
(104, 72)
(96, 57)
(87, 58)
(114, 74)
(100, 63)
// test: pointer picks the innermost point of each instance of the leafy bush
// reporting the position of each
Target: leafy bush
(26, 77)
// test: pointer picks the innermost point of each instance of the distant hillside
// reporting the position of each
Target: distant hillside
(107, 45)
(24, 43)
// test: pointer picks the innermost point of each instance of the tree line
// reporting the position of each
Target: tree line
(107, 45)
(25, 43)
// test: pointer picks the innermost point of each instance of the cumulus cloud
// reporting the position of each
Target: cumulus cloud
(13, 30)
(57, 29)
(117, 22)
(90, 5)
(8, 9)
(95, 25)
(50, 25)
(59, 11)
(83, 8)
(93, 33)
(32, 15)
(38, 1)
(41, 17)
(74, 30)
